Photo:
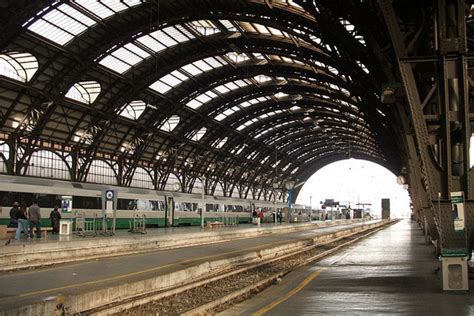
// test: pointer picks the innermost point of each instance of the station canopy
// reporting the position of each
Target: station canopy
(254, 92)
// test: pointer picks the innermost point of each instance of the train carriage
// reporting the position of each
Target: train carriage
(158, 207)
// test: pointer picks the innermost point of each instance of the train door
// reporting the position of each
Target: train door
(169, 211)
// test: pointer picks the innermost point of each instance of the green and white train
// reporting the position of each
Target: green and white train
(159, 207)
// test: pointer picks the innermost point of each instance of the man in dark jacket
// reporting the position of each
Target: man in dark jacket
(22, 224)
(14, 214)
(55, 217)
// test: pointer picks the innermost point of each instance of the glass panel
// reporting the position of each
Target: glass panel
(205, 27)
(51, 32)
(133, 110)
(221, 143)
(170, 124)
(199, 134)
(85, 92)
(151, 43)
(17, 65)
(115, 64)
(191, 69)
(160, 87)
(61, 24)
(125, 55)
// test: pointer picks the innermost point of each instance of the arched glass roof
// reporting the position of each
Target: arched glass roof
(221, 86)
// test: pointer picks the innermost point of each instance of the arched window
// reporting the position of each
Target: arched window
(133, 110)
(199, 134)
(197, 187)
(170, 124)
(47, 164)
(4, 156)
(218, 191)
(20, 66)
(101, 172)
(221, 143)
(142, 179)
(172, 180)
(84, 91)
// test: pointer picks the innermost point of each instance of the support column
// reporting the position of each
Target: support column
(442, 154)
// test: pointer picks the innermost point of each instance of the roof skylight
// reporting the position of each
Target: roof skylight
(199, 134)
(198, 101)
(221, 143)
(133, 110)
(171, 80)
(205, 27)
(123, 58)
(20, 66)
(64, 22)
(170, 124)
(84, 92)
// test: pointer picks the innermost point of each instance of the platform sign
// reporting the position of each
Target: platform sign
(66, 203)
(457, 207)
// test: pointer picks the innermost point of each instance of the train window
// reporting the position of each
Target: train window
(127, 204)
(157, 205)
(44, 200)
(48, 200)
(86, 202)
(141, 205)
(212, 207)
(185, 206)
(234, 208)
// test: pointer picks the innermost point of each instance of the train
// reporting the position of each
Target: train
(160, 208)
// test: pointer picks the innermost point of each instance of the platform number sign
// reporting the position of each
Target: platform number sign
(109, 200)
(109, 195)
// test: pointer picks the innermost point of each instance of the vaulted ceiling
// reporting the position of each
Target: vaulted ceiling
(248, 90)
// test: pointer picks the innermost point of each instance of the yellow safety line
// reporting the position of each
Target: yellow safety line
(274, 304)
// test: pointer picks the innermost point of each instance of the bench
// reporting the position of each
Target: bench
(9, 232)
(214, 224)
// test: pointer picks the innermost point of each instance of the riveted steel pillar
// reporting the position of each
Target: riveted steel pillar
(442, 151)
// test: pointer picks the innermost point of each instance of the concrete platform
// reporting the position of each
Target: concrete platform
(24, 288)
(392, 272)
(61, 249)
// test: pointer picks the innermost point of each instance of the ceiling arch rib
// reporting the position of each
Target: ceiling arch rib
(305, 108)
(311, 108)
(204, 51)
(334, 136)
(287, 80)
(113, 102)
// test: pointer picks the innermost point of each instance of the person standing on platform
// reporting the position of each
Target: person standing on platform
(22, 224)
(260, 217)
(55, 216)
(34, 215)
(14, 214)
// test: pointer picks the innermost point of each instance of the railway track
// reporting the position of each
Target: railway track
(217, 292)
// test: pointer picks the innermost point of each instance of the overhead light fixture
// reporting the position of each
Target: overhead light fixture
(388, 95)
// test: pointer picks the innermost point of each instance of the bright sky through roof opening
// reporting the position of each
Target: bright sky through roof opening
(356, 181)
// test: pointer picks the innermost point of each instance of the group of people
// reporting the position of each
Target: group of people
(257, 217)
(27, 220)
